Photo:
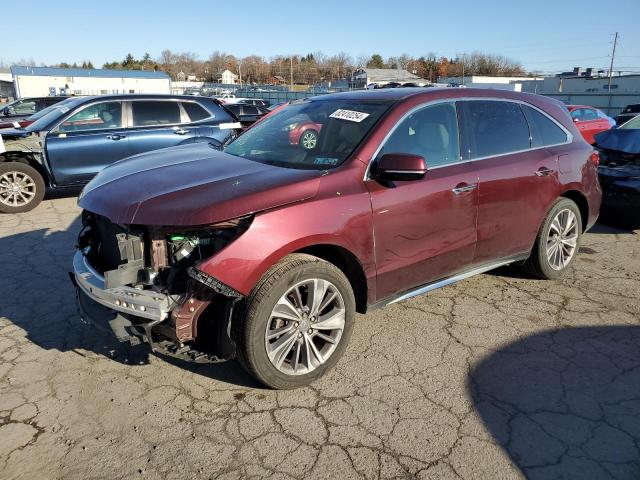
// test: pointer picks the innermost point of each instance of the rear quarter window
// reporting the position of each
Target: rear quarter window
(544, 131)
(195, 111)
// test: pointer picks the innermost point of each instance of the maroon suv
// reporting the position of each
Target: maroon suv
(265, 250)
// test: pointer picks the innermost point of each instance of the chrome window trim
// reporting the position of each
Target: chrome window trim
(460, 162)
(123, 117)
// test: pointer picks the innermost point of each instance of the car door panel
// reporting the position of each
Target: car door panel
(83, 145)
(423, 230)
(514, 194)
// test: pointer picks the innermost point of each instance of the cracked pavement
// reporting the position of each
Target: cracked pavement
(499, 376)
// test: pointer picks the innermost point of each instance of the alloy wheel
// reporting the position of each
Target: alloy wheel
(562, 239)
(309, 140)
(17, 189)
(305, 326)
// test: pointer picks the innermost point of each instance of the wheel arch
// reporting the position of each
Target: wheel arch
(27, 158)
(348, 263)
(583, 205)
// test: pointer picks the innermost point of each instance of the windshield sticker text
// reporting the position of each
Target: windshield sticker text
(350, 115)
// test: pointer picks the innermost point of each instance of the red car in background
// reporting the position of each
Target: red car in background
(590, 121)
(304, 133)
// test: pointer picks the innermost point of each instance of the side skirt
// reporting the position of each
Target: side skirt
(446, 281)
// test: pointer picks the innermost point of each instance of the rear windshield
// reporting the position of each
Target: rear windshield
(317, 134)
(633, 124)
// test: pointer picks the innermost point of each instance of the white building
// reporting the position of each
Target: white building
(228, 77)
(6, 84)
(43, 81)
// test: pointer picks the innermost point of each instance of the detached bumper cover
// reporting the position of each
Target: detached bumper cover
(145, 304)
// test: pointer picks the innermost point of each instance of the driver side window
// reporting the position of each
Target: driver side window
(431, 132)
(95, 117)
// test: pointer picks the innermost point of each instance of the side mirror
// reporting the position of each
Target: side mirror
(401, 167)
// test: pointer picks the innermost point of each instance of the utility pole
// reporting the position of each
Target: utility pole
(613, 54)
(291, 70)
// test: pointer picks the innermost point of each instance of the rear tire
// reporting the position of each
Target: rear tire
(557, 242)
(285, 339)
(22, 187)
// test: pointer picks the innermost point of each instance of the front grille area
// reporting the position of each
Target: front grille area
(111, 245)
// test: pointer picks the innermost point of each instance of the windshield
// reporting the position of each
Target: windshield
(52, 115)
(633, 124)
(316, 134)
(50, 108)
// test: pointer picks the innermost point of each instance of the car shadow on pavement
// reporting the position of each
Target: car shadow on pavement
(37, 296)
(565, 403)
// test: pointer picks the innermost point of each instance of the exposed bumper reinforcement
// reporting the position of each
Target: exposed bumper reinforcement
(145, 304)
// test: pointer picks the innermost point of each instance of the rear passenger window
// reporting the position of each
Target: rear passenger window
(155, 113)
(195, 111)
(495, 128)
(431, 132)
(544, 131)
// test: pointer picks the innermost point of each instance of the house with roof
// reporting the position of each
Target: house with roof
(43, 81)
(363, 77)
(228, 78)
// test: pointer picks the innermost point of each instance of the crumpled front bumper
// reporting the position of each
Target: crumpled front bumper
(146, 304)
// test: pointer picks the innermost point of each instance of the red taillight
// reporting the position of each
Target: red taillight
(595, 157)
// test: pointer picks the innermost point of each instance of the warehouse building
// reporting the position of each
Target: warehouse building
(44, 81)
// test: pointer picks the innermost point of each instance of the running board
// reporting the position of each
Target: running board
(446, 281)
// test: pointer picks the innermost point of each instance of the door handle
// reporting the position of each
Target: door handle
(115, 136)
(180, 131)
(544, 172)
(463, 187)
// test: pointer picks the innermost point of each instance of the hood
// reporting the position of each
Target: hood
(13, 133)
(620, 139)
(192, 185)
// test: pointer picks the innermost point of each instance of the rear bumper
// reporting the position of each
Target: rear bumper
(146, 304)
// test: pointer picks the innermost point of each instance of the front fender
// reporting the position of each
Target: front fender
(344, 221)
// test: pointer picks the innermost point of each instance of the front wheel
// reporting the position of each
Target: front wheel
(21, 187)
(296, 323)
(558, 241)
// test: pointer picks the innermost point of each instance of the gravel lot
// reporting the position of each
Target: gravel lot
(499, 376)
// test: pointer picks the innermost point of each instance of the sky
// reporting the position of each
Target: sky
(543, 35)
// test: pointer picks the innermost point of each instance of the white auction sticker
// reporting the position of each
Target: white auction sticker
(2, 149)
(16, 125)
(229, 126)
(350, 115)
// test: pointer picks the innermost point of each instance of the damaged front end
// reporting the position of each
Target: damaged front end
(619, 175)
(144, 285)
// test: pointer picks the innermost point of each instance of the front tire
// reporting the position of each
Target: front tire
(296, 323)
(557, 242)
(21, 187)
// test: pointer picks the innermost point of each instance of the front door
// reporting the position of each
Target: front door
(159, 124)
(424, 230)
(86, 142)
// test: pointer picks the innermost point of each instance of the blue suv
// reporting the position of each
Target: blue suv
(72, 143)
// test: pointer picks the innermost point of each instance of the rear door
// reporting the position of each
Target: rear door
(158, 124)
(517, 183)
(424, 229)
(86, 141)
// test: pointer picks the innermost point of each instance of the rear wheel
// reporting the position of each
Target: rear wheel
(21, 187)
(296, 323)
(558, 241)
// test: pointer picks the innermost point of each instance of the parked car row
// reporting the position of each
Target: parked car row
(76, 138)
(265, 246)
(25, 107)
